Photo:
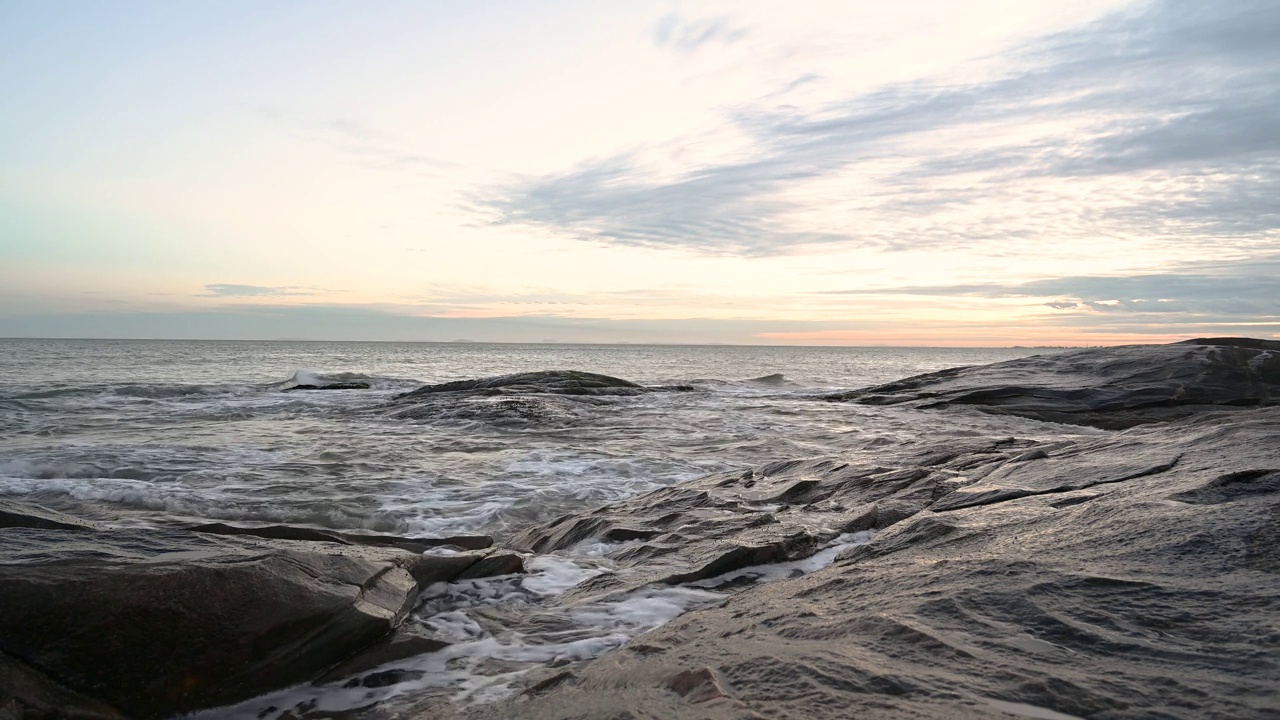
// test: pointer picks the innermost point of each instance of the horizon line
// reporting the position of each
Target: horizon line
(576, 343)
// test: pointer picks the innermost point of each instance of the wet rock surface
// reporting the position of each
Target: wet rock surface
(146, 623)
(776, 513)
(1113, 388)
(1134, 575)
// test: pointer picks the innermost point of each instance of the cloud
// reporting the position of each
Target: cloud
(1162, 122)
(231, 290)
(675, 32)
(1238, 291)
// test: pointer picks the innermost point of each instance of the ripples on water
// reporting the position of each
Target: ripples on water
(146, 432)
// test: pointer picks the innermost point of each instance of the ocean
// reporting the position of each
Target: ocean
(163, 433)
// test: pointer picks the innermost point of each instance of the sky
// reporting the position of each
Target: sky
(921, 172)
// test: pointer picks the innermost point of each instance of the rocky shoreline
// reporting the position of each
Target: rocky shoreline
(1128, 574)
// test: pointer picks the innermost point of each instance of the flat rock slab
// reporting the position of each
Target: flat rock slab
(1112, 388)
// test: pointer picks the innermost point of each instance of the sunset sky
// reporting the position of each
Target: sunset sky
(920, 172)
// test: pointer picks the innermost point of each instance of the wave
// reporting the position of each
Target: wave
(774, 380)
(24, 397)
(314, 380)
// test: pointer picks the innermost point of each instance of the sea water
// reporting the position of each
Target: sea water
(153, 433)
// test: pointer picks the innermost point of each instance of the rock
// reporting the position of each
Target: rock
(27, 694)
(159, 622)
(330, 386)
(504, 563)
(556, 382)
(698, 686)
(545, 397)
(407, 641)
(728, 521)
(1112, 388)
(549, 682)
(384, 678)
(34, 516)
(293, 532)
(1128, 575)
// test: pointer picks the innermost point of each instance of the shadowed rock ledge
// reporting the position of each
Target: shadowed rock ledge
(109, 623)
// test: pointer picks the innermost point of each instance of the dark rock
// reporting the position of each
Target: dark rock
(547, 683)
(736, 556)
(430, 569)
(407, 641)
(384, 678)
(1112, 388)
(556, 382)
(33, 516)
(27, 694)
(698, 686)
(625, 534)
(157, 622)
(505, 563)
(330, 386)
(545, 397)
(293, 532)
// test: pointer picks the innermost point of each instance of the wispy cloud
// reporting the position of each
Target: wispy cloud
(1238, 292)
(676, 32)
(1160, 121)
(232, 290)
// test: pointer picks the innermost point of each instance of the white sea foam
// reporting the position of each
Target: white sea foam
(465, 672)
(550, 575)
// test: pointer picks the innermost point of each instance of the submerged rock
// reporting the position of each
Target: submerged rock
(1112, 388)
(329, 386)
(1134, 575)
(14, 514)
